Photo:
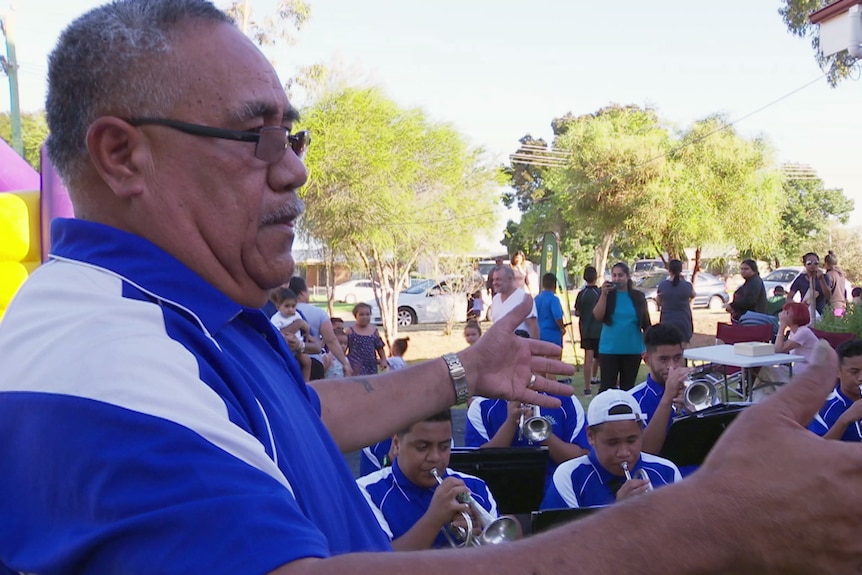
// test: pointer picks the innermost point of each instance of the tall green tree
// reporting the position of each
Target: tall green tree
(808, 212)
(795, 14)
(613, 175)
(34, 130)
(722, 188)
(392, 186)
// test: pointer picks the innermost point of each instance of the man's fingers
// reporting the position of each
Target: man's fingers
(516, 315)
(803, 397)
(533, 397)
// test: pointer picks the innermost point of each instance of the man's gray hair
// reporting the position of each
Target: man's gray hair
(112, 61)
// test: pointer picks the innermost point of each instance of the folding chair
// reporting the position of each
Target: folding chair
(730, 334)
(834, 338)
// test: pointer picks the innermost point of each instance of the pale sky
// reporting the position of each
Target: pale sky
(498, 69)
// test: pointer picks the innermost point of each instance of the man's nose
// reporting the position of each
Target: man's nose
(288, 174)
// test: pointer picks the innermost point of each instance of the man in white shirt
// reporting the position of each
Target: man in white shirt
(507, 296)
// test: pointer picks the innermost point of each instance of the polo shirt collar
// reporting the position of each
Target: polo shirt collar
(410, 490)
(144, 265)
(654, 386)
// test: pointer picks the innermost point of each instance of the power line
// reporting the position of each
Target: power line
(551, 161)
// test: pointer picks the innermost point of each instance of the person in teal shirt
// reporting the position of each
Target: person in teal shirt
(623, 311)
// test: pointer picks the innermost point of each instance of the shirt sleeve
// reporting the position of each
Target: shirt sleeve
(476, 432)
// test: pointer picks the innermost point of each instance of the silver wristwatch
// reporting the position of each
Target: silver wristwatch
(459, 377)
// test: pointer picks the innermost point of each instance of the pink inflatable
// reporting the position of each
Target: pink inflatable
(15, 173)
(55, 202)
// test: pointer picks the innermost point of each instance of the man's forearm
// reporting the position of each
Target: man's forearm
(650, 543)
(418, 392)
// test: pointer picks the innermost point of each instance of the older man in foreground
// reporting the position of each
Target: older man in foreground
(154, 422)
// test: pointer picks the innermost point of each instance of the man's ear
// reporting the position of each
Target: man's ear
(120, 154)
(396, 444)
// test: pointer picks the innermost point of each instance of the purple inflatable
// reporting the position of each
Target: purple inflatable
(55, 202)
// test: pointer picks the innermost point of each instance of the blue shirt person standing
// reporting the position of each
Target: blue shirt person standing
(410, 506)
(615, 434)
(841, 415)
(550, 311)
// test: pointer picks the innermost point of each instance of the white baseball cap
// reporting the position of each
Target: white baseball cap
(601, 405)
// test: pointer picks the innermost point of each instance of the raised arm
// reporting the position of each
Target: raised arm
(498, 365)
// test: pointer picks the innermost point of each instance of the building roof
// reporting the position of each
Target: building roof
(832, 10)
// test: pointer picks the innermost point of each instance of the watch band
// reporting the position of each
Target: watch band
(459, 377)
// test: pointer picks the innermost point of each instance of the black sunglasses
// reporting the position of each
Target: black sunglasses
(271, 141)
(811, 263)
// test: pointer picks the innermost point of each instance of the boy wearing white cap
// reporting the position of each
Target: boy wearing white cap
(615, 432)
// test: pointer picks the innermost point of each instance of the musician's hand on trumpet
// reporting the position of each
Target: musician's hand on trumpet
(674, 388)
(634, 485)
(447, 504)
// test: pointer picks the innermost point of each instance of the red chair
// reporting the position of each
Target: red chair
(729, 334)
(834, 338)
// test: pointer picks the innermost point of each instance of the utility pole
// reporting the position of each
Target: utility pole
(9, 65)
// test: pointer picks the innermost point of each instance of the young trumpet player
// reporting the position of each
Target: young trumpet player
(665, 384)
(410, 505)
(613, 468)
(841, 414)
(499, 423)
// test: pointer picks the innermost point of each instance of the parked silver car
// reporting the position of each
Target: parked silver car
(710, 291)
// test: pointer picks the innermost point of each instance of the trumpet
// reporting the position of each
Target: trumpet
(493, 530)
(536, 428)
(639, 474)
(699, 394)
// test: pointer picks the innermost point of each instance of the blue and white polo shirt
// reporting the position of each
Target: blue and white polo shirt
(584, 482)
(398, 503)
(836, 404)
(152, 425)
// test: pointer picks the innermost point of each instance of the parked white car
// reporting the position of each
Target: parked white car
(427, 301)
(353, 291)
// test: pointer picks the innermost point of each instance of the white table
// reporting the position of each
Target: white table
(724, 355)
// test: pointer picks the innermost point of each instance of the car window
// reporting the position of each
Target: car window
(652, 281)
(782, 276)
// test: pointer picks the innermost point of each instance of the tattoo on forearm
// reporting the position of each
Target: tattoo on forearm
(364, 383)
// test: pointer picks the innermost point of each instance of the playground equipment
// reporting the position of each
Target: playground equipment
(28, 202)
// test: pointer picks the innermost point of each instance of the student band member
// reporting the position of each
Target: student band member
(406, 499)
(660, 396)
(841, 415)
(599, 478)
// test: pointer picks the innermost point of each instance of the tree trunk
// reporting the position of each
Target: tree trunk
(602, 251)
(696, 267)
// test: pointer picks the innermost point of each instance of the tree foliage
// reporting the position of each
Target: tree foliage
(615, 162)
(287, 19)
(34, 131)
(629, 185)
(391, 185)
(795, 14)
(723, 189)
(808, 212)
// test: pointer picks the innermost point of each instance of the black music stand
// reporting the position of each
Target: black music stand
(692, 436)
(547, 518)
(515, 475)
